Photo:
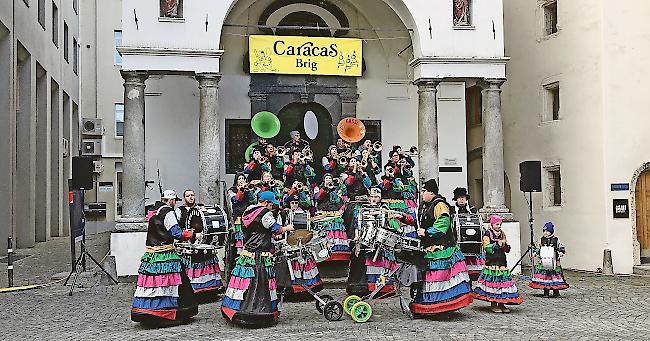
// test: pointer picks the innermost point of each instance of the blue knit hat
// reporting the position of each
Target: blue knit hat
(549, 227)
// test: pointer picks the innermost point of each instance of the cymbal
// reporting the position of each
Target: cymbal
(299, 236)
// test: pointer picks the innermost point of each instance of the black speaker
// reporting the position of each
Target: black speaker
(530, 176)
(82, 172)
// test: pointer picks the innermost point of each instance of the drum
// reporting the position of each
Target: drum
(189, 249)
(387, 239)
(469, 233)
(547, 255)
(367, 232)
(320, 248)
(300, 220)
(216, 226)
(410, 244)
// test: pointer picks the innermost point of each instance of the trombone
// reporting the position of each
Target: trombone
(413, 152)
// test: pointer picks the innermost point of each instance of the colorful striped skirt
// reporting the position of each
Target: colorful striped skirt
(305, 272)
(402, 206)
(497, 286)
(444, 282)
(163, 291)
(238, 235)
(251, 299)
(205, 275)
(548, 279)
(475, 265)
(336, 233)
(365, 274)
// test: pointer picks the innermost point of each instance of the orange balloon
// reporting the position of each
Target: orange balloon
(351, 129)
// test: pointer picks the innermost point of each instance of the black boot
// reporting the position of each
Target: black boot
(546, 293)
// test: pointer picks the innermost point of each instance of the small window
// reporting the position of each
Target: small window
(171, 8)
(552, 102)
(41, 13)
(75, 56)
(474, 106)
(550, 17)
(55, 24)
(66, 41)
(118, 42)
(119, 120)
(238, 138)
(554, 186)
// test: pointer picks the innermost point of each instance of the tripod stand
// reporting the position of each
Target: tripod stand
(81, 262)
(531, 246)
(78, 229)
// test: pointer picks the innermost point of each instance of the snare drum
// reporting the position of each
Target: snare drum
(320, 248)
(216, 226)
(387, 239)
(299, 220)
(367, 232)
(547, 255)
(411, 244)
(189, 249)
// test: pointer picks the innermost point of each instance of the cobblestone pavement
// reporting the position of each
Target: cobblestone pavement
(595, 307)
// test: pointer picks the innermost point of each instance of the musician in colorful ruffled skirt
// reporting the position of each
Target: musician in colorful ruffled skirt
(164, 294)
(443, 280)
(496, 285)
(251, 299)
(551, 279)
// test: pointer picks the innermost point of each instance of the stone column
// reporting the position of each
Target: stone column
(428, 129)
(133, 156)
(210, 139)
(493, 169)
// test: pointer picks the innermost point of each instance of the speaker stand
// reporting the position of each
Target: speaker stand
(531, 246)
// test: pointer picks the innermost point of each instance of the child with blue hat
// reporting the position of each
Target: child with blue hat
(548, 275)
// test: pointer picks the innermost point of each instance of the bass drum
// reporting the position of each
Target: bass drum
(410, 257)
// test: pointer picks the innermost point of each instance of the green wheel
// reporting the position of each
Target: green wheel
(349, 302)
(361, 312)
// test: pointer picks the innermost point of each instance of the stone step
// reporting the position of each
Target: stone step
(642, 270)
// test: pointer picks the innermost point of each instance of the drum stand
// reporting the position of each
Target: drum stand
(531, 246)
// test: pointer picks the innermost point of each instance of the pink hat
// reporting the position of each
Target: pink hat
(495, 219)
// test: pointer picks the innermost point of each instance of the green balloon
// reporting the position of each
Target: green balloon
(265, 124)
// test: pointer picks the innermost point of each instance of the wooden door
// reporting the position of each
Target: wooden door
(642, 196)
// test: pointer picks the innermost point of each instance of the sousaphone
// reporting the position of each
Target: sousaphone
(351, 130)
(265, 124)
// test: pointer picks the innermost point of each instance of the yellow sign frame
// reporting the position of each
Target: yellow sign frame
(305, 55)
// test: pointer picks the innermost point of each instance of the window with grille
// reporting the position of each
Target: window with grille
(238, 137)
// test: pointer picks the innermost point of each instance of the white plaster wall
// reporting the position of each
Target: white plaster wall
(573, 57)
(452, 149)
(127, 248)
(625, 49)
(172, 134)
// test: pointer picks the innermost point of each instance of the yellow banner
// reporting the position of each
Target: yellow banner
(305, 55)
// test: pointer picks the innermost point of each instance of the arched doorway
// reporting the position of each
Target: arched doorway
(292, 117)
(642, 216)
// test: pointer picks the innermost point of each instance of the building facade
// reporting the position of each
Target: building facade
(39, 106)
(574, 100)
(189, 93)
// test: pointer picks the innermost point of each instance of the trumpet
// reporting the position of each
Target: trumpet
(299, 186)
(272, 183)
(377, 146)
(390, 172)
(280, 151)
(413, 151)
(336, 181)
(308, 153)
(343, 161)
(364, 164)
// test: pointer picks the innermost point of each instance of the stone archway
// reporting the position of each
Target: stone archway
(636, 246)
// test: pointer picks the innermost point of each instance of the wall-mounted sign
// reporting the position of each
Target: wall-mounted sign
(305, 55)
(620, 187)
(621, 208)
